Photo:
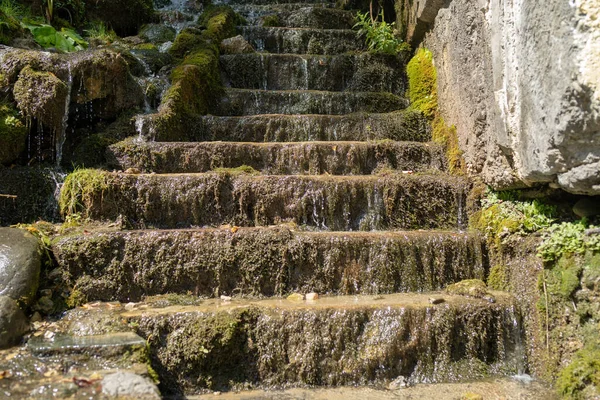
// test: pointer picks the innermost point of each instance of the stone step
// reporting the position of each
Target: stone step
(355, 72)
(499, 388)
(407, 125)
(314, 158)
(254, 12)
(354, 340)
(108, 344)
(302, 40)
(308, 17)
(129, 265)
(344, 203)
(239, 102)
(269, 3)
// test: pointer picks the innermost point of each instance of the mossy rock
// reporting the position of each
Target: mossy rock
(158, 33)
(9, 29)
(41, 95)
(125, 17)
(469, 287)
(13, 134)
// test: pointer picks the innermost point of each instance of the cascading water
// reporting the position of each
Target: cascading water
(62, 135)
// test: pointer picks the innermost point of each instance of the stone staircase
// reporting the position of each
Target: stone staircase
(310, 176)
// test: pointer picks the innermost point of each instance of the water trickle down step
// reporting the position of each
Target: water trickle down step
(355, 340)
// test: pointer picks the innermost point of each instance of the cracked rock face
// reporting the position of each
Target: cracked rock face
(520, 80)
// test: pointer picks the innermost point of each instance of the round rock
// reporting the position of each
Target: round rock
(130, 385)
(20, 262)
(13, 323)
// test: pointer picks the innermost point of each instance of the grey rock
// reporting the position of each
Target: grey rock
(587, 207)
(158, 33)
(526, 105)
(13, 323)
(129, 384)
(236, 45)
(20, 262)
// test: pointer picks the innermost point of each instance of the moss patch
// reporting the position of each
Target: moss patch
(581, 378)
(13, 133)
(468, 287)
(422, 92)
(80, 190)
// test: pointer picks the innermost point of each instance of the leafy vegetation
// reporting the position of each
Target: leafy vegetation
(379, 35)
(66, 40)
(503, 213)
(568, 238)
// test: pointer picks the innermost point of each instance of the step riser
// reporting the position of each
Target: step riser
(360, 203)
(405, 125)
(196, 351)
(301, 41)
(127, 266)
(265, 3)
(278, 159)
(254, 14)
(316, 18)
(237, 102)
(294, 72)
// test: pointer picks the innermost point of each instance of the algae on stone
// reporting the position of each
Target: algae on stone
(13, 134)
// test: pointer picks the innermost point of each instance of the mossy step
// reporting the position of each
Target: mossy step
(251, 3)
(304, 17)
(128, 265)
(238, 102)
(370, 202)
(315, 158)
(302, 40)
(353, 72)
(354, 340)
(398, 125)
(99, 345)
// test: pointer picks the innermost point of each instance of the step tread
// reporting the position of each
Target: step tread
(358, 302)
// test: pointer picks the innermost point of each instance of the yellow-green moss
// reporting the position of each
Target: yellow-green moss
(422, 92)
(242, 169)
(422, 83)
(76, 299)
(498, 278)
(80, 188)
(468, 287)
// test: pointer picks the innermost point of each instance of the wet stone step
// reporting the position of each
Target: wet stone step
(408, 125)
(126, 266)
(254, 12)
(354, 340)
(355, 72)
(309, 17)
(251, 3)
(508, 388)
(302, 40)
(114, 343)
(315, 158)
(239, 102)
(342, 203)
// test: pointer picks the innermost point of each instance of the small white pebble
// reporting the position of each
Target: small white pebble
(312, 296)
(225, 298)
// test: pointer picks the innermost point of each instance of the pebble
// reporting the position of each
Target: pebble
(225, 298)
(129, 306)
(295, 297)
(312, 296)
(398, 383)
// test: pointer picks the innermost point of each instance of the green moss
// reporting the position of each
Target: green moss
(581, 378)
(422, 83)
(271, 20)
(76, 299)
(468, 287)
(13, 133)
(219, 22)
(9, 28)
(80, 189)
(146, 46)
(498, 278)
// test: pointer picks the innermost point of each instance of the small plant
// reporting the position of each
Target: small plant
(12, 9)
(567, 238)
(379, 35)
(99, 31)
